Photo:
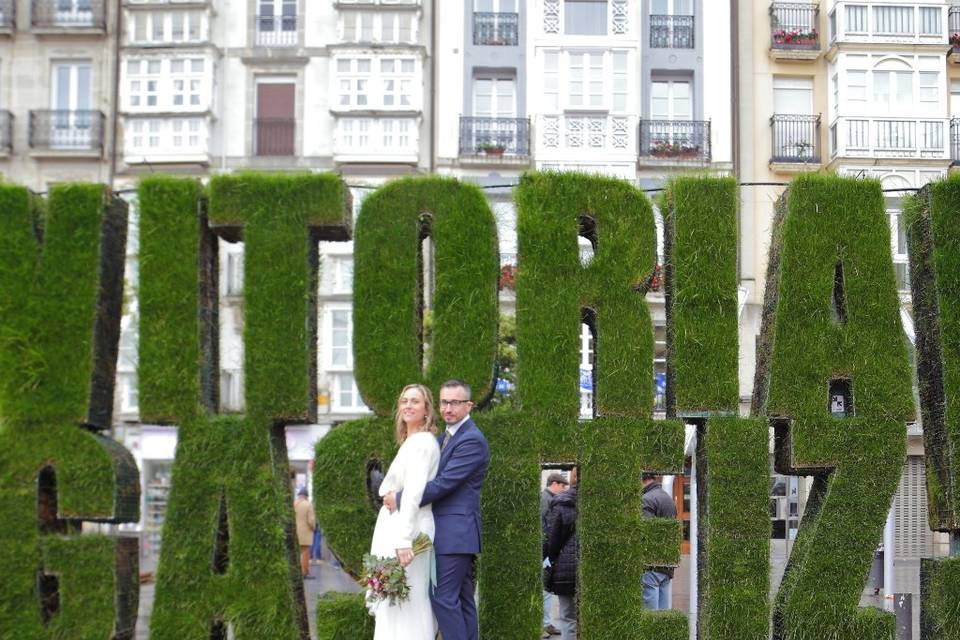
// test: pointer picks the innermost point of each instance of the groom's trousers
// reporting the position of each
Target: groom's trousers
(453, 597)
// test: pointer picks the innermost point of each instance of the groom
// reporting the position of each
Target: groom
(455, 496)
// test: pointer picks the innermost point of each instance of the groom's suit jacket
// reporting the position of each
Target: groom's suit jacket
(455, 491)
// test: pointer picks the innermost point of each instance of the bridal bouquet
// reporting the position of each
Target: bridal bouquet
(386, 579)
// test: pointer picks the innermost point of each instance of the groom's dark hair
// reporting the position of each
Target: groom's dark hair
(453, 383)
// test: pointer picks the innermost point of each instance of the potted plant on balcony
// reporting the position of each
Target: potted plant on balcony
(492, 148)
(954, 43)
(667, 149)
(796, 37)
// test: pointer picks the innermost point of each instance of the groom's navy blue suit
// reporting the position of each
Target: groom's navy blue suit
(455, 496)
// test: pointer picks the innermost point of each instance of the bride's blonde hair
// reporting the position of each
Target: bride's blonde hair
(429, 424)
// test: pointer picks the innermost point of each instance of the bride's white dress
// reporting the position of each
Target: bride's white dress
(415, 464)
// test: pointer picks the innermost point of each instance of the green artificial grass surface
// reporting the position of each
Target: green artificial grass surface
(387, 289)
(835, 317)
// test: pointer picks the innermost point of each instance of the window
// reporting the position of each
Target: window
(168, 26)
(585, 17)
(365, 26)
(346, 397)
(892, 85)
(354, 74)
(930, 86)
(165, 136)
(339, 274)
(231, 390)
(494, 97)
(277, 23)
(340, 352)
(143, 77)
(620, 80)
(187, 78)
(397, 78)
(856, 18)
(551, 81)
(834, 92)
(893, 20)
(396, 134)
(178, 82)
(930, 21)
(671, 7)
(857, 85)
(495, 6)
(387, 136)
(792, 95)
(129, 393)
(233, 274)
(585, 84)
(358, 78)
(670, 100)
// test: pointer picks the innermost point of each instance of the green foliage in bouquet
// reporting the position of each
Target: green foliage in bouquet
(61, 283)
(389, 325)
(832, 328)
(932, 221)
(232, 561)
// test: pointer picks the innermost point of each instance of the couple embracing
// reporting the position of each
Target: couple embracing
(433, 487)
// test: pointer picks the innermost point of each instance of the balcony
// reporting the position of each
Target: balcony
(274, 136)
(794, 31)
(6, 133)
(680, 142)
(496, 29)
(495, 140)
(889, 138)
(955, 141)
(953, 30)
(8, 16)
(68, 16)
(671, 32)
(796, 142)
(276, 31)
(77, 133)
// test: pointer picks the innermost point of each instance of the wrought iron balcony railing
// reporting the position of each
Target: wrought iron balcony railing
(496, 28)
(955, 141)
(276, 31)
(796, 138)
(274, 136)
(494, 137)
(677, 140)
(52, 130)
(671, 32)
(795, 25)
(8, 14)
(953, 27)
(6, 131)
(68, 14)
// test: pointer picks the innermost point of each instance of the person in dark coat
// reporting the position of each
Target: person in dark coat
(556, 484)
(562, 549)
(657, 503)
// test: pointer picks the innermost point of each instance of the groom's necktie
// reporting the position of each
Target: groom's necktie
(446, 440)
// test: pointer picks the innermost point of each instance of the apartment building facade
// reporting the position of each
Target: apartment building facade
(57, 70)
(863, 89)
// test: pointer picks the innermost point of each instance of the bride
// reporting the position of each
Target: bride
(415, 464)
